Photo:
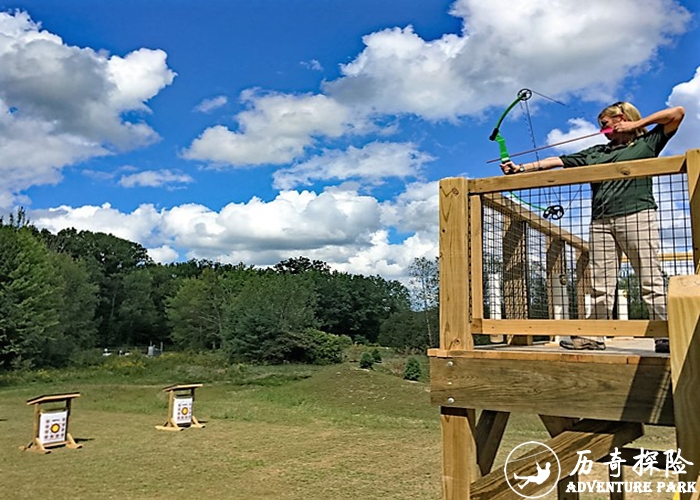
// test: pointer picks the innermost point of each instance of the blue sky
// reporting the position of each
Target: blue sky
(259, 130)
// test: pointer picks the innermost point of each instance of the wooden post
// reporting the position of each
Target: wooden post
(692, 160)
(455, 329)
(51, 424)
(180, 408)
(684, 338)
(459, 461)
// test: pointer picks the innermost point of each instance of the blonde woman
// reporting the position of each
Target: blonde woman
(623, 212)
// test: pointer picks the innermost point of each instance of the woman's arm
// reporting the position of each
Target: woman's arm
(670, 118)
(544, 164)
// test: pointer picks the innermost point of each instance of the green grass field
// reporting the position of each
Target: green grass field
(286, 432)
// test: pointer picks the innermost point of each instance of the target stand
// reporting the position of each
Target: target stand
(180, 413)
(51, 422)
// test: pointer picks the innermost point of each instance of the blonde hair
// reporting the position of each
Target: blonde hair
(625, 109)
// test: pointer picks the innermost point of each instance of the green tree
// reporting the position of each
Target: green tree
(425, 284)
(30, 298)
(267, 314)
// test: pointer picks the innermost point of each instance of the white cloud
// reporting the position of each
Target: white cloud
(687, 94)
(313, 64)
(275, 129)
(373, 162)
(163, 254)
(578, 128)
(560, 49)
(140, 226)
(348, 230)
(62, 104)
(209, 105)
(154, 178)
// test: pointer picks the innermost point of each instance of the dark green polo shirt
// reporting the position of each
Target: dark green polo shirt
(627, 196)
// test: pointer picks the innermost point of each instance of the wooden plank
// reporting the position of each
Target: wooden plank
(592, 173)
(458, 453)
(53, 398)
(489, 433)
(556, 355)
(455, 328)
(693, 165)
(684, 333)
(596, 436)
(608, 391)
(608, 328)
(476, 257)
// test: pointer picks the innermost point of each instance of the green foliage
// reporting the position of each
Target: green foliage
(404, 330)
(265, 320)
(366, 361)
(63, 295)
(413, 370)
(376, 356)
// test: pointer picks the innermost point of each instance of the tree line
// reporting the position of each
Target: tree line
(62, 294)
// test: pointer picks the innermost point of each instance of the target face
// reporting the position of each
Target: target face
(182, 411)
(52, 427)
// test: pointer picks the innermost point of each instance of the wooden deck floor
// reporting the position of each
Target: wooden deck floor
(613, 346)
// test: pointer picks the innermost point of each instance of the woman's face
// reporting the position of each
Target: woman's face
(608, 122)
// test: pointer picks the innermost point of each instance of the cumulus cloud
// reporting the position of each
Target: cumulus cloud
(687, 94)
(338, 225)
(373, 162)
(140, 226)
(155, 178)
(572, 48)
(209, 105)
(68, 104)
(274, 129)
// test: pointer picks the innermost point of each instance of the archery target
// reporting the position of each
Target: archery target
(182, 411)
(52, 427)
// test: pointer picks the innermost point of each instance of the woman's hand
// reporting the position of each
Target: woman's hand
(625, 126)
(509, 167)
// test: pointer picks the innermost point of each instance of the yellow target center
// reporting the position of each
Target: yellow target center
(185, 411)
(55, 428)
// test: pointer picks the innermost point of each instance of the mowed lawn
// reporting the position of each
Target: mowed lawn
(290, 432)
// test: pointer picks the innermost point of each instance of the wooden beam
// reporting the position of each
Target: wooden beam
(455, 328)
(592, 173)
(489, 433)
(609, 328)
(684, 333)
(599, 437)
(597, 389)
(693, 166)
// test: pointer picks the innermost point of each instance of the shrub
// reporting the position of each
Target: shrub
(412, 371)
(376, 356)
(366, 361)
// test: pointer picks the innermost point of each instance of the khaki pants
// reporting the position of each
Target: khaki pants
(637, 236)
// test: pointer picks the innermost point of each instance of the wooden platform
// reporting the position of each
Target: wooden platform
(627, 382)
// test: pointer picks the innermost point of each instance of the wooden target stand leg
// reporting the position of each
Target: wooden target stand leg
(185, 413)
(51, 434)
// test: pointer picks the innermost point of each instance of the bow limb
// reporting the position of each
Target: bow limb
(523, 95)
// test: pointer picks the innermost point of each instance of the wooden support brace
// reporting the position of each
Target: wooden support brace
(489, 433)
(599, 437)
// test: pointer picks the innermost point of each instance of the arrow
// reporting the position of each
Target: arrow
(603, 131)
